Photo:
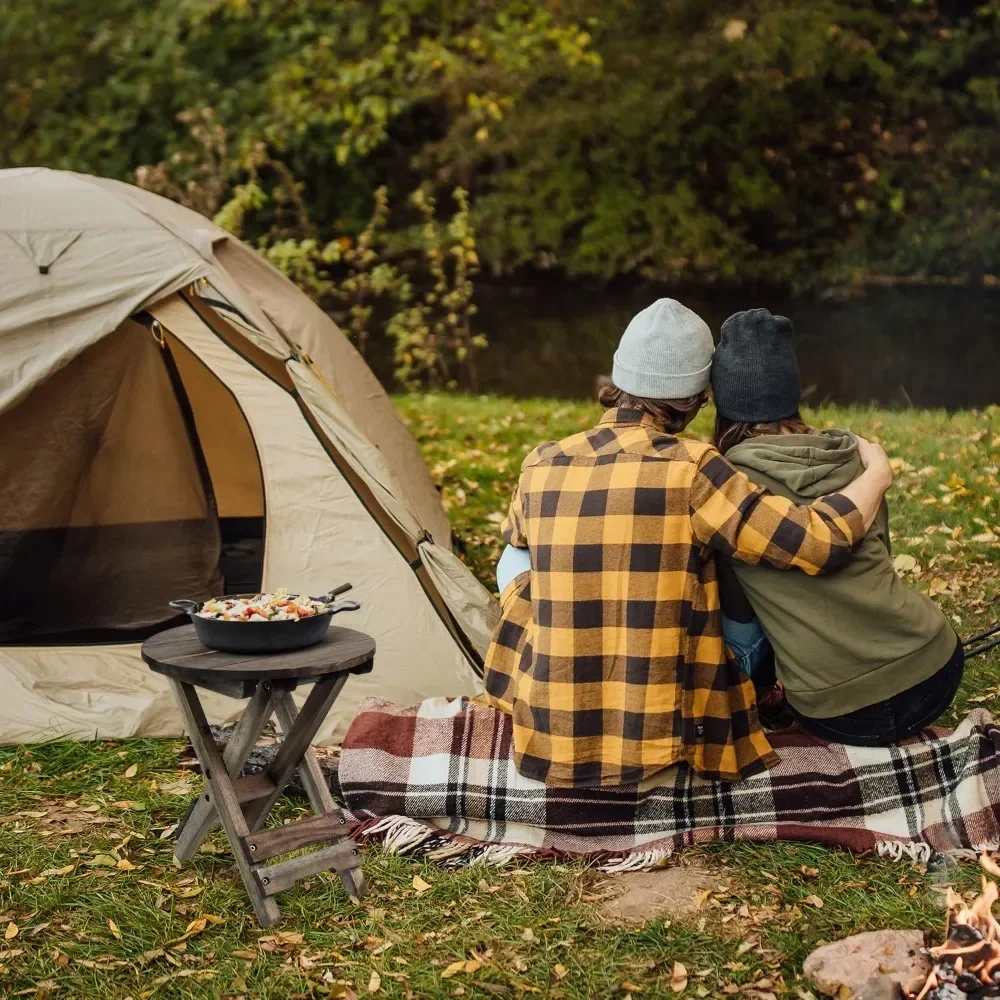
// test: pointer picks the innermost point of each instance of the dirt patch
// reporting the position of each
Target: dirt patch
(635, 897)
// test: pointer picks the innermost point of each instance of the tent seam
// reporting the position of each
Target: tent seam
(464, 643)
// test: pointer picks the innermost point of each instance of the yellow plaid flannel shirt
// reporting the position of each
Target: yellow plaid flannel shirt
(609, 654)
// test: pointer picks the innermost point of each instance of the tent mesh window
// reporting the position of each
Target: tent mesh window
(105, 513)
(233, 466)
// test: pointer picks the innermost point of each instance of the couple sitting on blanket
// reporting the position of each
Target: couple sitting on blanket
(646, 614)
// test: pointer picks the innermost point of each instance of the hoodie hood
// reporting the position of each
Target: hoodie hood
(811, 465)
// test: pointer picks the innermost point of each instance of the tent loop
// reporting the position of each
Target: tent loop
(157, 331)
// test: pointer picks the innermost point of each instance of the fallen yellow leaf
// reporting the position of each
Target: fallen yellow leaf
(131, 771)
(126, 866)
(115, 933)
(560, 970)
(813, 901)
(11, 932)
(679, 978)
(631, 987)
(375, 983)
(102, 861)
(528, 934)
(420, 885)
(454, 969)
(58, 871)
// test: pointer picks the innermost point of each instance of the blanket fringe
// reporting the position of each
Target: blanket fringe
(399, 834)
(898, 850)
(636, 861)
(406, 836)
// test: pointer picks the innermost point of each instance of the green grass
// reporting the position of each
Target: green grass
(75, 818)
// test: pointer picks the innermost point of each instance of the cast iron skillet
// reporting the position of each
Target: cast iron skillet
(265, 637)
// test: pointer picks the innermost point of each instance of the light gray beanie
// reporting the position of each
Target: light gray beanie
(665, 353)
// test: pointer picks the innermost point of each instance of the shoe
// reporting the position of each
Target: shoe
(773, 710)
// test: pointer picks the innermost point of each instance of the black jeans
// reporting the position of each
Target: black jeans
(898, 717)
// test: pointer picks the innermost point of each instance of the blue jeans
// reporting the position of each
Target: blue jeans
(747, 643)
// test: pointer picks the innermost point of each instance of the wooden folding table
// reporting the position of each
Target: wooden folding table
(242, 804)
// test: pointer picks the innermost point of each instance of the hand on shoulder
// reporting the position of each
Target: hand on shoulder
(875, 461)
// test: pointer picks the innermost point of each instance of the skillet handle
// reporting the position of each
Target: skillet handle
(188, 607)
(344, 606)
(336, 592)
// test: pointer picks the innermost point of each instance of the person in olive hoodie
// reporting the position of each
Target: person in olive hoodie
(863, 659)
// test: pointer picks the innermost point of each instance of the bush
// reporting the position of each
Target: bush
(770, 139)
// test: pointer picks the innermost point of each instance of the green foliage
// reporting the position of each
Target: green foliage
(431, 329)
(433, 333)
(767, 139)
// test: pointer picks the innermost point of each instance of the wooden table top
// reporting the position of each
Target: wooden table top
(179, 653)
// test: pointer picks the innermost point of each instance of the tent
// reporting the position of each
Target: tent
(178, 420)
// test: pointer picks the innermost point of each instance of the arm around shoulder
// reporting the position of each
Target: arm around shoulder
(734, 517)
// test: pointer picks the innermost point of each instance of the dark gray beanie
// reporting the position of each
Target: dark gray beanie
(755, 377)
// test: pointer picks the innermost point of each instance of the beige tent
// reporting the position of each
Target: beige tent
(178, 420)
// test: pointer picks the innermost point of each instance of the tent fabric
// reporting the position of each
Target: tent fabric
(320, 534)
(474, 608)
(470, 603)
(365, 459)
(347, 376)
(78, 527)
(117, 263)
(179, 384)
(267, 297)
(225, 437)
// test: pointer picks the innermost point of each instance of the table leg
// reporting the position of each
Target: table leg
(309, 770)
(319, 794)
(295, 744)
(224, 797)
(202, 817)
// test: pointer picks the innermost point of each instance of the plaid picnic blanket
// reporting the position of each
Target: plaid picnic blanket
(438, 779)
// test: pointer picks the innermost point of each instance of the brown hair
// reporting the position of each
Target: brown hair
(673, 415)
(729, 433)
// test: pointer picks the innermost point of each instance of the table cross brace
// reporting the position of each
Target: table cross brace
(221, 801)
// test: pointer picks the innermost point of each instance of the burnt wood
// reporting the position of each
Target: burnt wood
(306, 832)
(180, 654)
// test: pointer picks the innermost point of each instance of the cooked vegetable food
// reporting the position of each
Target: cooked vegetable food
(276, 607)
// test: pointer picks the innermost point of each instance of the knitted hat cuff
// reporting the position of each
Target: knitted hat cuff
(659, 385)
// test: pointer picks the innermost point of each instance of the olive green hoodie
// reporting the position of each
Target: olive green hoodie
(850, 640)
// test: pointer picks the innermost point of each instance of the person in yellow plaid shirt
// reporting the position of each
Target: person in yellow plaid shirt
(610, 655)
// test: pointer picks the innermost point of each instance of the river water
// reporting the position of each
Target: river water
(926, 347)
